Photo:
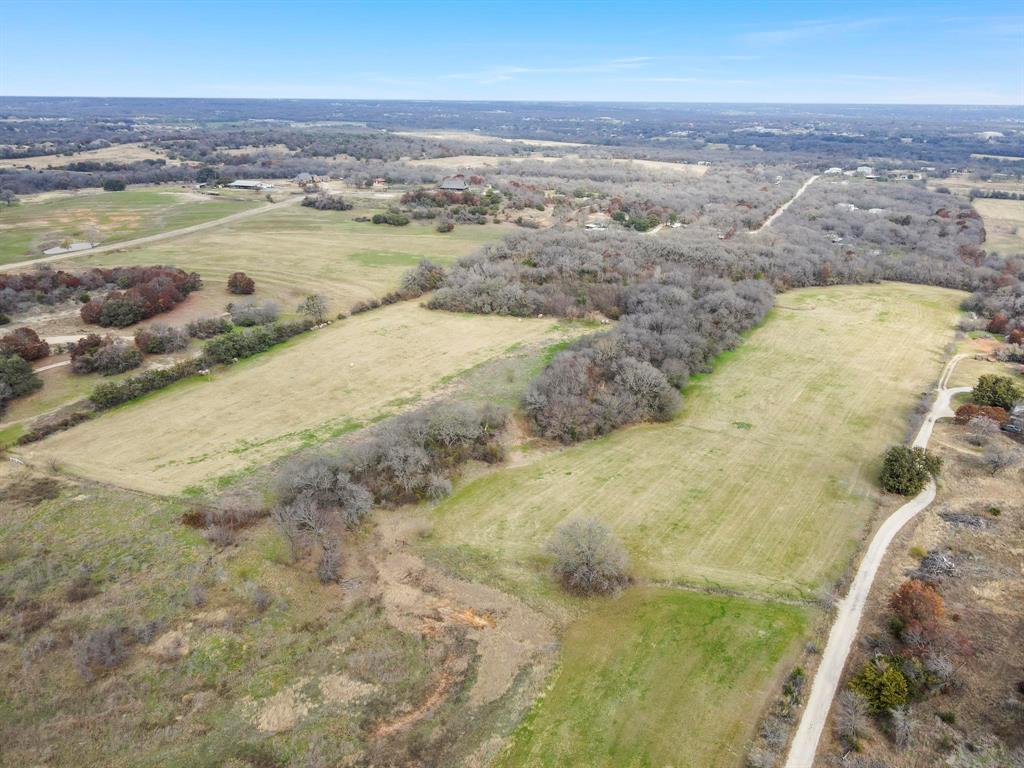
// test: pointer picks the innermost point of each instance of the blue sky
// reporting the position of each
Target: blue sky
(863, 52)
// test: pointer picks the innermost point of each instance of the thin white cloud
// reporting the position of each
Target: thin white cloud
(506, 73)
(672, 79)
(806, 29)
(876, 78)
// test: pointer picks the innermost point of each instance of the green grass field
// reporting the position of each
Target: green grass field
(295, 251)
(766, 480)
(115, 216)
(659, 678)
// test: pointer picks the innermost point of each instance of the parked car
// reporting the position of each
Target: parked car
(1015, 423)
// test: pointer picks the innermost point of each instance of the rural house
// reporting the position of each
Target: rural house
(455, 183)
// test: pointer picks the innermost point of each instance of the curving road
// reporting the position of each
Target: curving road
(851, 608)
(119, 246)
(785, 205)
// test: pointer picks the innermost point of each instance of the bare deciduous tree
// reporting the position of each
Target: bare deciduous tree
(999, 457)
(587, 559)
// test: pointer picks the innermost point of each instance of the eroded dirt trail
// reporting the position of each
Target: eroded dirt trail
(507, 635)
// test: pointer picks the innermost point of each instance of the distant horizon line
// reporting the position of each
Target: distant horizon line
(531, 101)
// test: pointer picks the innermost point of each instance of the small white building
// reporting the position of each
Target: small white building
(833, 171)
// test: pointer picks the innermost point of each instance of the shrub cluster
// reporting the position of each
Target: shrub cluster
(423, 278)
(113, 394)
(406, 458)
(364, 306)
(103, 354)
(327, 202)
(22, 290)
(250, 313)
(394, 218)
(160, 339)
(906, 667)
(241, 284)
(670, 329)
(997, 392)
(882, 684)
(208, 327)
(314, 307)
(230, 514)
(104, 648)
(25, 343)
(17, 379)
(969, 411)
(906, 471)
(65, 418)
(236, 346)
(150, 291)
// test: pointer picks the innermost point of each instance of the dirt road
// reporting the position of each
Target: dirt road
(785, 205)
(851, 607)
(119, 246)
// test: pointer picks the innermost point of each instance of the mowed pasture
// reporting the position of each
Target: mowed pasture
(294, 251)
(659, 677)
(1004, 225)
(768, 477)
(108, 216)
(317, 386)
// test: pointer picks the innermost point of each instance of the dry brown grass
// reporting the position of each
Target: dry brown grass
(1004, 224)
(983, 600)
(118, 153)
(317, 386)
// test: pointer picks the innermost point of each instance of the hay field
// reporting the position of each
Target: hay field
(292, 252)
(112, 216)
(1004, 224)
(315, 387)
(766, 480)
(118, 153)
(659, 678)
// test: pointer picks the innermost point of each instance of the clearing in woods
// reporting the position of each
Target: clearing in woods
(117, 153)
(1004, 224)
(294, 251)
(738, 491)
(108, 216)
(457, 162)
(317, 386)
(659, 677)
